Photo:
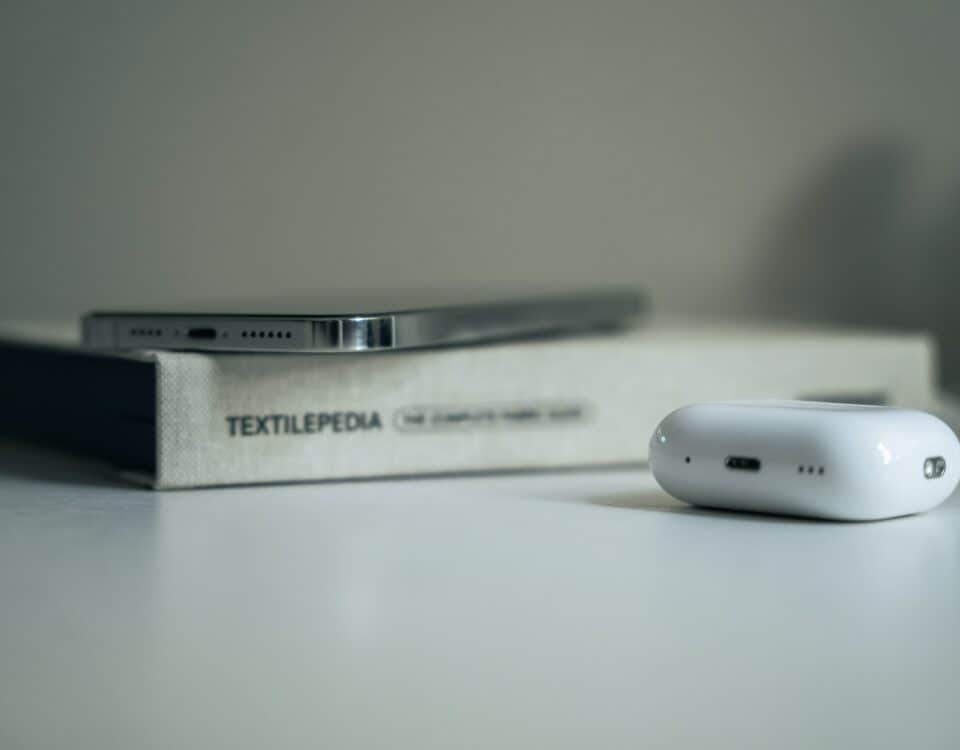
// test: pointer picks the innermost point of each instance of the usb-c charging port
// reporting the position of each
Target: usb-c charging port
(742, 463)
(202, 333)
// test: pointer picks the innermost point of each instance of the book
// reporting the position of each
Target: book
(185, 419)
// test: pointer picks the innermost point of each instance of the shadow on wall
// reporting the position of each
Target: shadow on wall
(849, 250)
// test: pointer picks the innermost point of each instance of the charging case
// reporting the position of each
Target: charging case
(836, 461)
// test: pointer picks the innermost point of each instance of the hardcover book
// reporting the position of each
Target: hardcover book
(184, 419)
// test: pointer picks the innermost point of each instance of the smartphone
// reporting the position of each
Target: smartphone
(360, 327)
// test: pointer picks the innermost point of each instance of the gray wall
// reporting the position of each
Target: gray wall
(795, 159)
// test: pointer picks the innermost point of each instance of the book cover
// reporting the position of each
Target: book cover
(187, 419)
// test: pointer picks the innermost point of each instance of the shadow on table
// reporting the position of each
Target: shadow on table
(659, 502)
(31, 461)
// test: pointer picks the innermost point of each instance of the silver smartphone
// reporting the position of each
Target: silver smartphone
(365, 327)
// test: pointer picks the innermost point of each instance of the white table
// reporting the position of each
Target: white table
(563, 610)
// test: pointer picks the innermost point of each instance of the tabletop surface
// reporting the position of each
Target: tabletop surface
(561, 610)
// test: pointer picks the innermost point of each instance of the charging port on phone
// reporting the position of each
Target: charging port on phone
(202, 333)
(742, 463)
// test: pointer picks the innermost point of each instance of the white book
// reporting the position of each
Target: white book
(186, 419)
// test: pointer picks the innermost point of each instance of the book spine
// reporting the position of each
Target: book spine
(239, 419)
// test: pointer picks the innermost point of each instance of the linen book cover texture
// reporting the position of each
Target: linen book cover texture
(590, 400)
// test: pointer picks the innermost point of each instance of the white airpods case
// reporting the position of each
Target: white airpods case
(837, 461)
